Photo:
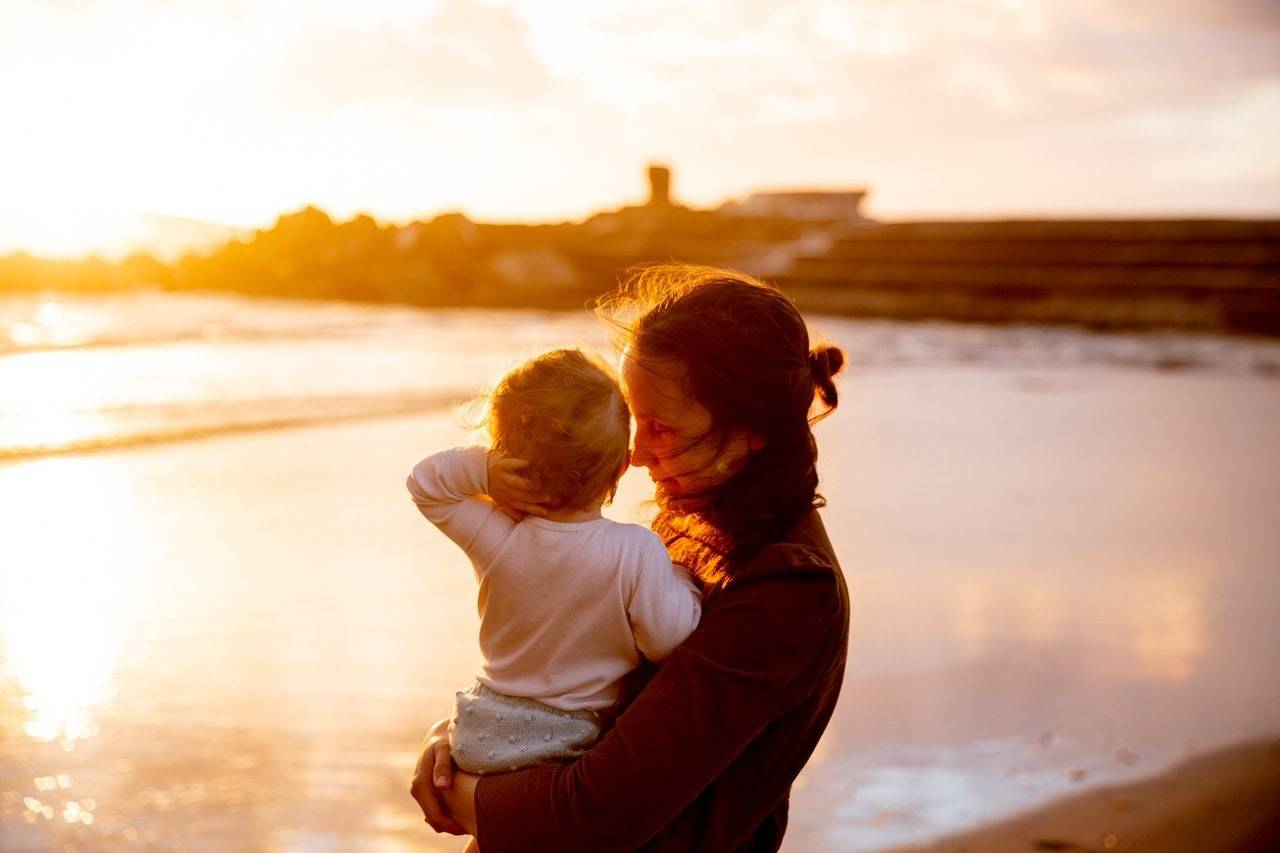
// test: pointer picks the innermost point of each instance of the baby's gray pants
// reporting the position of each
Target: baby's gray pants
(494, 733)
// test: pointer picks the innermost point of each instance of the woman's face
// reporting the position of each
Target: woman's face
(675, 437)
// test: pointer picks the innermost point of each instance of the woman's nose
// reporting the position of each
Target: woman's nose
(640, 455)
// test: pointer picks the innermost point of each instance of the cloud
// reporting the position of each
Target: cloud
(461, 55)
(1229, 14)
(529, 108)
(1233, 141)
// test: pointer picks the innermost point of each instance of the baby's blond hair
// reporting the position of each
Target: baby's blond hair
(563, 412)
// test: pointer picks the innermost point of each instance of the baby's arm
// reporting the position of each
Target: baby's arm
(666, 604)
(449, 488)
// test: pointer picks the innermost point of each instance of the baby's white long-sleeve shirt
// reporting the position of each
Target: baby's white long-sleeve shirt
(566, 607)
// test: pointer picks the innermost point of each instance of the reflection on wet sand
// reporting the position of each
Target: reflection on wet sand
(1027, 626)
(191, 668)
(1157, 617)
(63, 588)
(49, 398)
(1170, 637)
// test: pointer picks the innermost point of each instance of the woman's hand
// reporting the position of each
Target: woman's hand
(460, 799)
(434, 775)
(515, 495)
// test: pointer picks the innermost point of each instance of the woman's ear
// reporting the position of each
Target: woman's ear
(755, 441)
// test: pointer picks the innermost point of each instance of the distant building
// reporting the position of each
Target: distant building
(769, 223)
(815, 205)
(659, 186)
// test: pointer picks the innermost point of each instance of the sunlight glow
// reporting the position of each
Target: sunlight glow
(1169, 636)
(971, 619)
(62, 233)
(515, 109)
(62, 585)
(1155, 617)
(46, 399)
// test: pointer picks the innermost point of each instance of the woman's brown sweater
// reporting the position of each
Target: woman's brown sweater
(705, 756)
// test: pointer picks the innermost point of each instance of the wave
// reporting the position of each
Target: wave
(46, 322)
(40, 324)
(165, 319)
(203, 336)
(139, 426)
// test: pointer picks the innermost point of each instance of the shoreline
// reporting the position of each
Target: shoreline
(1202, 274)
(1227, 799)
(1071, 311)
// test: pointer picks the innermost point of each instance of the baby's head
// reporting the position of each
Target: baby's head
(563, 412)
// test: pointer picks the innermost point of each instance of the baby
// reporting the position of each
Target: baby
(569, 602)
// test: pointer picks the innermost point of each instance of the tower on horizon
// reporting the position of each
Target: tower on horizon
(659, 186)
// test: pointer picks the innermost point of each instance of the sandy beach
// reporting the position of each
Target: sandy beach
(1227, 800)
(1063, 579)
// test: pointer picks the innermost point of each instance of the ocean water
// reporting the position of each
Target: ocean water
(223, 627)
(81, 373)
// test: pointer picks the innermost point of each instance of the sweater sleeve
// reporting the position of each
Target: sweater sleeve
(665, 604)
(448, 488)
(755, 656)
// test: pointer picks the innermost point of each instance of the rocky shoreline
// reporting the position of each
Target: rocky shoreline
(1207, 275)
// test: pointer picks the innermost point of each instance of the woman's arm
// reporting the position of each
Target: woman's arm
(433, 777)
(757, 654)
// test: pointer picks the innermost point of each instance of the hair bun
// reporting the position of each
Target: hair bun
(824, 363)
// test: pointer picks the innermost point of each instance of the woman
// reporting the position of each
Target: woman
(721, 382)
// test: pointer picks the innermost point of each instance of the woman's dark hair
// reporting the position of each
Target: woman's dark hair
(744, 355)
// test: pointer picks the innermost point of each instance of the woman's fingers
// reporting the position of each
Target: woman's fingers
(460, 800)
(434, 763)
(434, 812)
(443, 774)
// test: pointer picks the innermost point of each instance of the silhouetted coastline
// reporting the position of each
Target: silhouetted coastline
(1202, 275)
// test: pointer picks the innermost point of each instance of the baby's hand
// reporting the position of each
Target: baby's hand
(515, 495)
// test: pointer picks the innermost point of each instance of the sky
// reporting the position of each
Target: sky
(532, 110)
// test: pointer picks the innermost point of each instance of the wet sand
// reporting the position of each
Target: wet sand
(1062, 580)
(1228, 800)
